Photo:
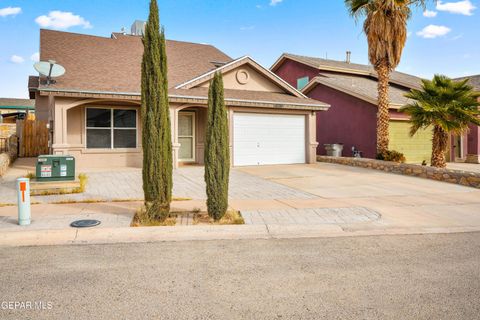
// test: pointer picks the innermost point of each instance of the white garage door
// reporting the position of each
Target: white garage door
(261, 139)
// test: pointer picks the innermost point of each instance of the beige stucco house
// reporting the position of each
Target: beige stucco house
(94, 109)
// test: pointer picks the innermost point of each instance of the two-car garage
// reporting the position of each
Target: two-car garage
(266, 139)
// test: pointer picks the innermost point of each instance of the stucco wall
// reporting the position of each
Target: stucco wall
(291, 71)
(349, 120)
(255, 81)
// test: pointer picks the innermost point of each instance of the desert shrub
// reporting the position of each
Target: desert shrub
(391, 155)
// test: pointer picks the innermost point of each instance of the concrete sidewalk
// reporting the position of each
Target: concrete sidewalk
(50, 224)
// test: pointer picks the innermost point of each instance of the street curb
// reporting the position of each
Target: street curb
(73, 236)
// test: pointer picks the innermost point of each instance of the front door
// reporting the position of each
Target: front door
(186, 136)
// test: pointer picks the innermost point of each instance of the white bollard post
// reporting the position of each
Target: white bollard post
(23, 192)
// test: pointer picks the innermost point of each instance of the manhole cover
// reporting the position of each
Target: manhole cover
(84, 223)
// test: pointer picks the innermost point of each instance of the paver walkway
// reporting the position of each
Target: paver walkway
(310, 216)
(126, 184)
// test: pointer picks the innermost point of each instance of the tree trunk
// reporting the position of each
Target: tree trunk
(383, 117)
(439, 147)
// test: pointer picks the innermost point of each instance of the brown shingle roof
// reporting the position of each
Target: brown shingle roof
(12, 102)
(103, 66)
(344, 67)
(107, 64)
(360, 86)
(473, 81)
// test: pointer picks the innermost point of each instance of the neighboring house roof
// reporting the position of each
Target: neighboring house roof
(396, 77)
(473, 81)
(359, 86)
(112, 66)
(17, 104)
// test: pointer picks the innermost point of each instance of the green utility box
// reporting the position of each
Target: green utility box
(55, 168)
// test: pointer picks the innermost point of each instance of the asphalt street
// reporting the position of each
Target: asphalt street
(380, 277)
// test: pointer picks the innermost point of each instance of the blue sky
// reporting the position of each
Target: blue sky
(445, 40)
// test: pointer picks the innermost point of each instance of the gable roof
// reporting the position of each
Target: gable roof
(114, 64)
(361, 87)
(100, 67)
(396, 77)
(235, 64)
(13, 103)
(473, 81)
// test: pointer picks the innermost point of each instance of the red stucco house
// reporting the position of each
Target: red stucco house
(351, 90)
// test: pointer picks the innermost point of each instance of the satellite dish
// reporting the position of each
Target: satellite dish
(49, 69)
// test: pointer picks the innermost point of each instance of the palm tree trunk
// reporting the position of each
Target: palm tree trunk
(383, 117)
(439, 147)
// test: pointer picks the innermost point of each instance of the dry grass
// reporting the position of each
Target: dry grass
(82, 177)
(141, 220)
(30, 175)
(7, 205)
(231, 217)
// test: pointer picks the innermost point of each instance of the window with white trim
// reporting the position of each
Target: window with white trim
(111, 128)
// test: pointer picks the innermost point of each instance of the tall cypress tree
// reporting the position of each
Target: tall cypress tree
(156, 134)
(217, 152)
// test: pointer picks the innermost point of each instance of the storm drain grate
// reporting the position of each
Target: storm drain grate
(85, 223)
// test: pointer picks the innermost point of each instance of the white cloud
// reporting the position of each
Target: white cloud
(430, 14)
(433, 31)
(35, 57)
(10, 11)
(16, 59)
(275, 2)
(62, 20)
(461, 7)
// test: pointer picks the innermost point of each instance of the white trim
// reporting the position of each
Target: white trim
(112, 127)
(321, 105)
(194, 138)
(209, 72)
(325, 106)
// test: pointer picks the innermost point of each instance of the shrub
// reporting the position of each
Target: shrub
(391, 155)
(217, 151)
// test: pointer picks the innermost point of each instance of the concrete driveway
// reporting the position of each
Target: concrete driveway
(399, 200)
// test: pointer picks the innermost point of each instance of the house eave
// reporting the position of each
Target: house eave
(175, 98)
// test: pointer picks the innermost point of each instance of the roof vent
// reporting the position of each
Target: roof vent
(218, 64)
(138, 28)
(349, 56)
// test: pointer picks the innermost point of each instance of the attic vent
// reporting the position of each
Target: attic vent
(218, 64)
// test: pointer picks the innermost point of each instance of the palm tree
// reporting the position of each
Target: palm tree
(385, 26)
(449, 106)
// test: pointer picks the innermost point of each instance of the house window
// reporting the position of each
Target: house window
(302, 82)
(111, 128)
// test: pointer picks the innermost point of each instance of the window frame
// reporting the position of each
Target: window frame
(307, 78)
(193, 136)
(112, 127)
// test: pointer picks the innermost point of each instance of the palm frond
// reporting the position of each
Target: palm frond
(450, 105)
